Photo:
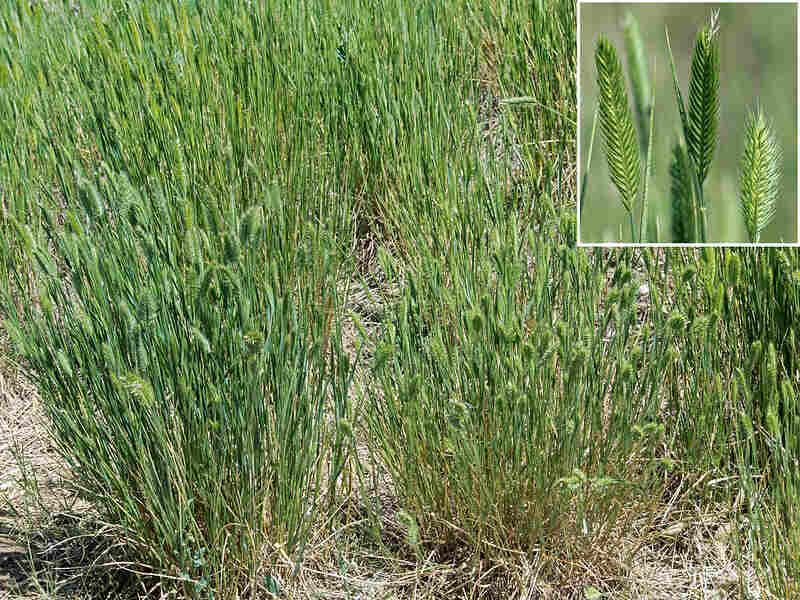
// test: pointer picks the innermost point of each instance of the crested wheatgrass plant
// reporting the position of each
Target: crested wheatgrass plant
(759, 175)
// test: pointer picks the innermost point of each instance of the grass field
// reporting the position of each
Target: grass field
(291, 307)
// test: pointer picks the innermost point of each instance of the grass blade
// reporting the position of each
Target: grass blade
(640, 77)
(648, 170)
(588, 159)
(678, 95)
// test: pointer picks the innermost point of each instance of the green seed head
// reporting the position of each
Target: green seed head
(759, 174)
(733, 268)
(703, 106)
(192, 247)
(476, 321)
(63, 363)
(636, 354)
(108, 356)
(772, 366)
(232, 248)
(681, 196)
(616, 121)
(625, 371)
(676, 321)
(250, 225)
(345, 428)
(201, 340)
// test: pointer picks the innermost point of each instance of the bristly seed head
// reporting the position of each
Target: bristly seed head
(759, 174)
(616, 122)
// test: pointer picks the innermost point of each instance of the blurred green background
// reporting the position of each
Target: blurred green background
(758, 62)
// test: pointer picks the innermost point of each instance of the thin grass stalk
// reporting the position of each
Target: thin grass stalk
(643, 93)
(648, 172)
(589, 157)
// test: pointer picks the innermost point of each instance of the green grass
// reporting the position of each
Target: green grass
(712, 82)
(192, 189)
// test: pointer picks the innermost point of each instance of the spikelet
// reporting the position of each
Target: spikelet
(146, 308)
(142, 357)
(205, 283)
(475, 320)
(18, 339)
(229, 283)
(616, 123)
(251, 223)
(24, 232)
(755, 356)
(64, 364)
(772, 369)
(759, 174)
(45, 262)
(192, 248)
(188, 215)
(245, 322)
(90, 199)
(701, 136)
(383, 353)
(733, 268)
(138, 387)
(232, 248)
(201, 340)
(676, 321)
(681, 196)
(109, 358)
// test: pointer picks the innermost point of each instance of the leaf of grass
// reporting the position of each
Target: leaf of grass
(648, 170)
(640, 78)
(678, 95)
(588, 160)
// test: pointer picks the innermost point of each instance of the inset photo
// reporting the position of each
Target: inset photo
(687, 123)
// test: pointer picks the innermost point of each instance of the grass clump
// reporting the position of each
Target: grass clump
(184, 377)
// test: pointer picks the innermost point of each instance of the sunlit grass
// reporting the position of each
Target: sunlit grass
(189, 188)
